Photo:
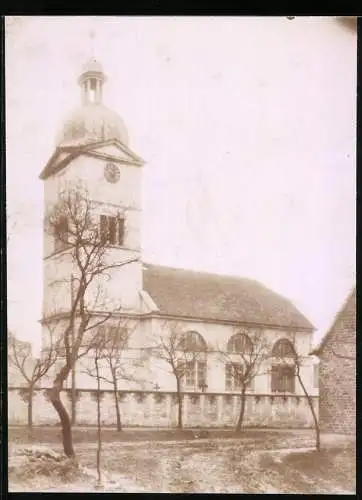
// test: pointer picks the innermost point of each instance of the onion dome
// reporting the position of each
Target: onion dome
(93, 121)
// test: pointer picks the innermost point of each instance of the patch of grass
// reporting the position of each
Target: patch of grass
(33, 463)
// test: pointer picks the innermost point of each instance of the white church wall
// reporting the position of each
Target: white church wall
(57, 283)
(216, 337)
(146, 371)
(121, 285)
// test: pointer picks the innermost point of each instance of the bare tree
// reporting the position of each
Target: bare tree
(105, 350)
(113, 341)
(97, 355)
(181, 351)
(243, 358)
(98, 351)
(293, 360)
(79, 236)
(115, 345)
(32, 369)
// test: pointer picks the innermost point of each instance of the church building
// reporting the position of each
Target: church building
(215, 316)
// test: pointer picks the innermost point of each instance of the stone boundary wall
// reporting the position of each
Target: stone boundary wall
(159, 409)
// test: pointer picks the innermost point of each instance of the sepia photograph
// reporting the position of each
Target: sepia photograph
(181, 254)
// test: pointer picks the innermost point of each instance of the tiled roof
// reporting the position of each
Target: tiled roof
(348, 310)
(184, 293)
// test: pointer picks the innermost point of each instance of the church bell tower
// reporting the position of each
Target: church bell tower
(92, 154)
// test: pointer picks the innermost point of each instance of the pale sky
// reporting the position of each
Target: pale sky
(248, 130)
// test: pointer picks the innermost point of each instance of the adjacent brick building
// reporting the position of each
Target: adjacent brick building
(337, 376)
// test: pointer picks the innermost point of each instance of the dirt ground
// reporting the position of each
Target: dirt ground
(257, 462)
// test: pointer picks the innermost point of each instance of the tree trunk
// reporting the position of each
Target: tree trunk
(54, 396)
(311, 406)
(180, 403)
(99, 447)
(74, 398)
(30, 408)
(242, 410)
(116, 402)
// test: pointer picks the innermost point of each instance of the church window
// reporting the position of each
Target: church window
(283, 379)
(283, 349)
(190, 374)
(234, 377)
(201, 374)
(112, 230)
(192, 347)
(195, 375)
(193, 342)
(120, 231)
(239, 343)
(231, 381)
(283, 370)
(61, 233)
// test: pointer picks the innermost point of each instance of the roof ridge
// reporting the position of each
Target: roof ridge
(208, 273)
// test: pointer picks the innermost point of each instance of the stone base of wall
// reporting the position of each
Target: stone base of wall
(159, 409)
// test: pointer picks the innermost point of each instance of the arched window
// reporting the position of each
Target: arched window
(283, 369)
(240, 343)
(192, 342)
(194, 348)
(235, 368)
(283, 348)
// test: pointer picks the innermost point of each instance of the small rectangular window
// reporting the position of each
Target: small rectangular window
(111, 230)
(315, 376)
(120, 231)
(104, 228)
(61, 233)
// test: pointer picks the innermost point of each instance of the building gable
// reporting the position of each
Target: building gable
(111, 150)
(341, 337)
(114, 151)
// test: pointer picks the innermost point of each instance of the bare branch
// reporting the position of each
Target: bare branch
(343, 356)
(296, 360)
(32, 369)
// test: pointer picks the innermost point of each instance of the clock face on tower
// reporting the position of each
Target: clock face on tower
(111, 173)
